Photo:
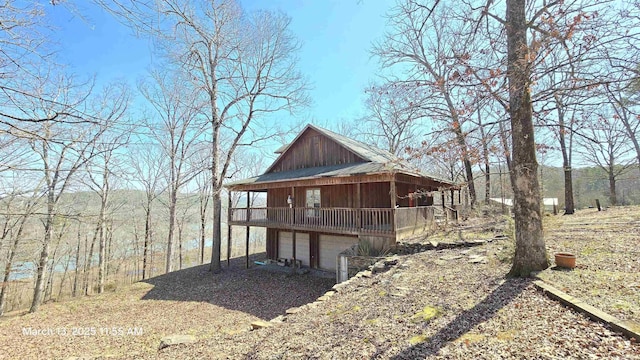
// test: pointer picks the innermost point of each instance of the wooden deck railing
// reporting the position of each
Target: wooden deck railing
(347, 220)
(414, 216)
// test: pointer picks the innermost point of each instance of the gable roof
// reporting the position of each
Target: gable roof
(366, 152)
(376, 161)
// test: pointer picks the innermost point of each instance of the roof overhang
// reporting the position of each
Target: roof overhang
(337, 174)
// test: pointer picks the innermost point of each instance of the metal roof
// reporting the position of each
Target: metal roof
(377, 161)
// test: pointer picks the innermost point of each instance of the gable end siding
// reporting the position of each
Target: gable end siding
(314, 149)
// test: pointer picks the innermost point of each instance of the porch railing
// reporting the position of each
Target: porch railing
(361, 221)
(336, 219)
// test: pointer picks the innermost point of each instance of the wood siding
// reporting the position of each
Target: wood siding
(343, 196)
(272, 243)
(313, 149)
(375, 195)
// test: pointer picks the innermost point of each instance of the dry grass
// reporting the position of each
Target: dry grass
(435, 304)
(192, 301)
(607, 246)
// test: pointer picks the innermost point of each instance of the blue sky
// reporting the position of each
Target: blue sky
(336, 37)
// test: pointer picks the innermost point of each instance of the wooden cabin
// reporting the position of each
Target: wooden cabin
(326, 192)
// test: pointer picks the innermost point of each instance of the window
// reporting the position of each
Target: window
(313, 202)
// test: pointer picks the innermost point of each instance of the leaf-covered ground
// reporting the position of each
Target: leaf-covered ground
(607, 246)
(448, 304)
(132, 320)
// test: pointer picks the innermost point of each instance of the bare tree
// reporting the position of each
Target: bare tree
(27, 55)
(111, 107)
(531, 253)
(203, 184)
(607, 148)
(427, 42)
(178, 131)
(392, 115)
(18, 207)
(147, 167)
(61, 150)
(244, 65)
(626, 112)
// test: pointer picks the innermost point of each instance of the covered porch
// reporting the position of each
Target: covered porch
(388, 206)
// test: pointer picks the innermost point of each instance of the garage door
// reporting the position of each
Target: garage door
(285, 246)
(332, 245)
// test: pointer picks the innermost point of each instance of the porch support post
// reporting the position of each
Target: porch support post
(392, 192)
(293, 205)
(248, 229)
(443, 200)
(358, 205)
(293, 236)
(229, 218)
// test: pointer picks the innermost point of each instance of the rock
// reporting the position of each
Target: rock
(277, 319)
(451, 257)
(175, 340)
(339, 286)
(295, 310)
(478, 260)
(259, 324)
(390, 261)
(378, 267)
(434, 243)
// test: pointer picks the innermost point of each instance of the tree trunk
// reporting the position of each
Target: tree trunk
(216, 186)
(460, 138)
(147, 242)
(569, 207)
(172, 220)
(102, 248)
(5, 279)
(48, 290)
(203, 227)
(624, 116)
(217, 236)
(64, 276)
(613, 198)
(180, 246)
(530, 254)
(87, 268)
(487, 166)
(7, 269)
(74, 289)
(44, 257)
(469, 175)
(505, 145)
